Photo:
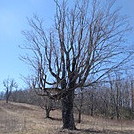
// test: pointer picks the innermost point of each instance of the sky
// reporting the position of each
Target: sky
(13, 14)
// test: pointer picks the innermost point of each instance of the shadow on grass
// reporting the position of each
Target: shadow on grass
(80, 131)
(54, 119)
(90, 131)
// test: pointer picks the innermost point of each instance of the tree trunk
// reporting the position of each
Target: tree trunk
(92, 105)
(6, 100)
(117, 113)
(67, 111)
(48, 113)
(79, 116)
(7, 96)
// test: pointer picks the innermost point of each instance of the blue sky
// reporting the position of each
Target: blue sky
(13, 15)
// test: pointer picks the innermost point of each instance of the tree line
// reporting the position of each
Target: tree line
(113, 99)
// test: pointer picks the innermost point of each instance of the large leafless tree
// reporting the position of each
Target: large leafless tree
(84, 44)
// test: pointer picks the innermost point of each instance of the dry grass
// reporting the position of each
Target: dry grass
(18, 118)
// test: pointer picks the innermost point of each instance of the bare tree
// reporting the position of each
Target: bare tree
(1, 95)
(132, 94)
(83, 45)
(9, 84)
(46, 104)
(79, 103)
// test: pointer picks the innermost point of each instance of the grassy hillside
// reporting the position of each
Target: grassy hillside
(19, 118)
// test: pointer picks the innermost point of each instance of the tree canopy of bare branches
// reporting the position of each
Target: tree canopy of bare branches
(83, 45)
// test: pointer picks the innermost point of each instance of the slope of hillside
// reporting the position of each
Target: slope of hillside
(19, 118)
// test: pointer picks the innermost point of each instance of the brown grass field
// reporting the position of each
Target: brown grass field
(19, 118)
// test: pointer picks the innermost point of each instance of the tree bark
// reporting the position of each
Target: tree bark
(117, 113)
(79, 116)
(92, 105)
(6, 100)
(67, 111)
(7, 96)
(48, 113)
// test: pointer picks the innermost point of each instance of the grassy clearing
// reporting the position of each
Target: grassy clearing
(19, 118)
